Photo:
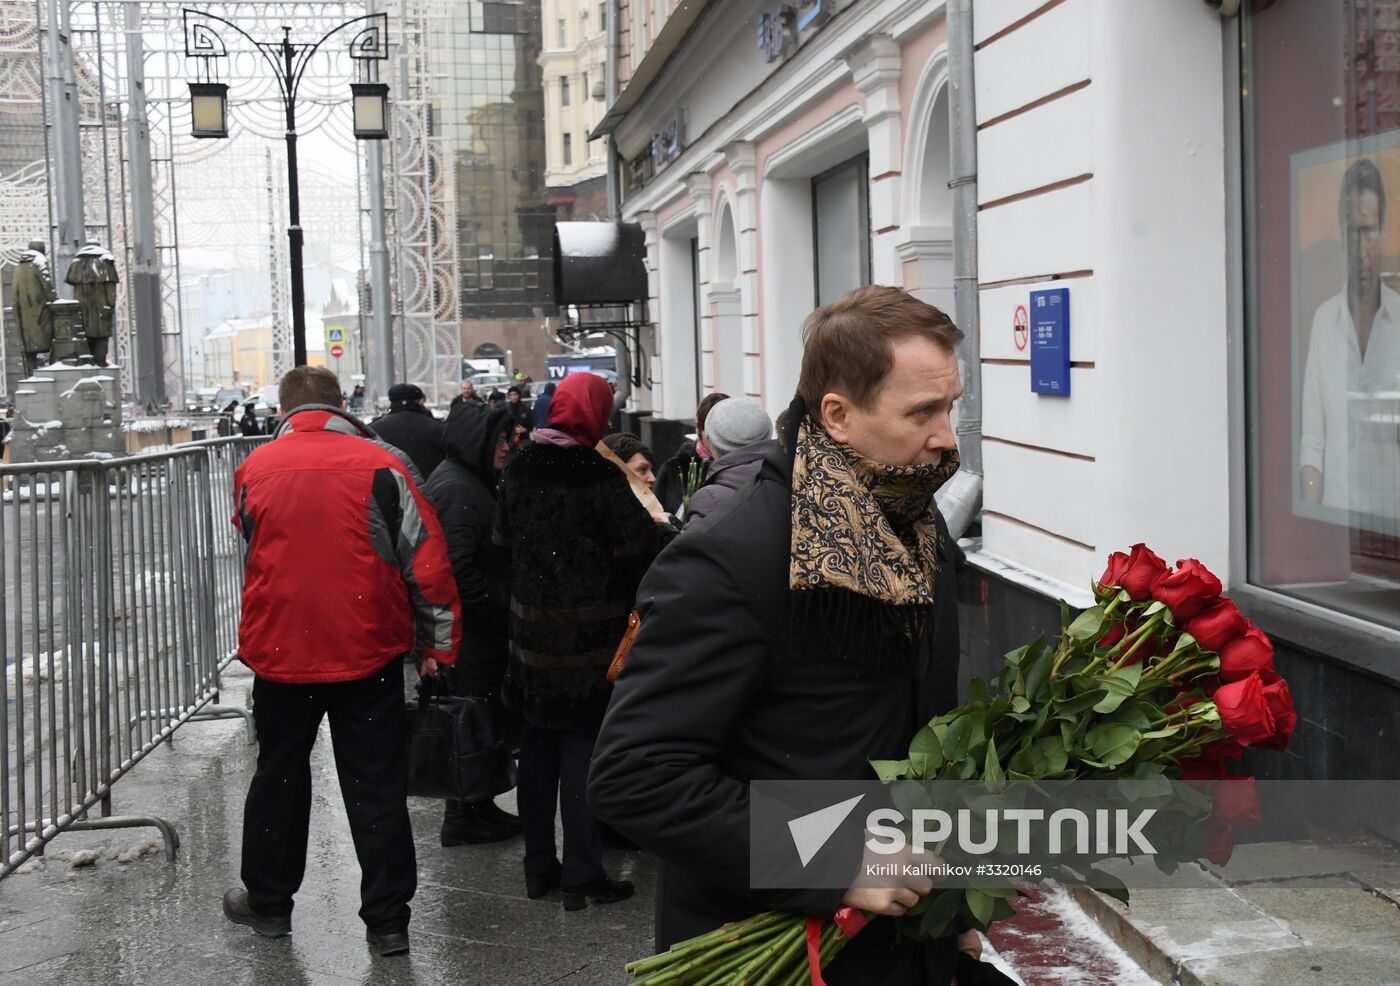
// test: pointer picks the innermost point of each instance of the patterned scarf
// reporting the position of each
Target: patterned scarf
(863, 530)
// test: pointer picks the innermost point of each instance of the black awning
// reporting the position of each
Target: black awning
(598, 263)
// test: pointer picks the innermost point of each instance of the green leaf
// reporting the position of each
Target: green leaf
(977, 692)
(1121, 685)
(1081, 703)
(890, 770)
(1013, 659)
(955, 741)
(1037, 672)
(1087, 625)
(1064, 614)
(925, 753)
(1117, 893)
(942, 909)
(1020, 704)
(991, 770)
(1049, 755)
(1161, 733)
(909, 796)
(1114, 743)
(980, 905)
(1002, 910)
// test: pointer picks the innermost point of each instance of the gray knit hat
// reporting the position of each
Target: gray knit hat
(734, 424)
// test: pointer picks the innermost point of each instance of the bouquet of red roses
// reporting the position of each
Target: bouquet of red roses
(1163, 677)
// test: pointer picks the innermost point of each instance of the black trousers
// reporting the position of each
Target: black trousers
(554, 771)
(367, 735)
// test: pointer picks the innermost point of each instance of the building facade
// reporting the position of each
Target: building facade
(489, 107)
(1209, 193)
(574, 65)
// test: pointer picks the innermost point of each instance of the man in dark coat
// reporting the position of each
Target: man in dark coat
(411, 427)
(579, 542)
(758, 661)
(463, 490)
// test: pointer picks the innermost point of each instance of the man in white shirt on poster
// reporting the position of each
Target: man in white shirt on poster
(1349, 448)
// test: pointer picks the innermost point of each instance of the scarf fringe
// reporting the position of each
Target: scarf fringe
(836, 626)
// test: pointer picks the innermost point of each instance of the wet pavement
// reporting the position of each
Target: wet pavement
(146, 921)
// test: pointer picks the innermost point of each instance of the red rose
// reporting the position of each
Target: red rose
(1141, 572)
(1228, 748)
(1236, 801)
(1188, 590)
(1117, 566)
(1243, 711)
(1217, 626)
(1221, 845)
(1112, 635)
(1280, 703)
(1249, 652)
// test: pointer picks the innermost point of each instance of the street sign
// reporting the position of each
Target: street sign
(1020, 327)
(1050, 341)
(337, 351)
(335, 335)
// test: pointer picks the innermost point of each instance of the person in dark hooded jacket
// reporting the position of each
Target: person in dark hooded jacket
(463, 489)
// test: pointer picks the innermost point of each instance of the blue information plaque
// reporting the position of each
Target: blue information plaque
(1050, 341)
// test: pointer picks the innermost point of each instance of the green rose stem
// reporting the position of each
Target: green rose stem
(731, 955)
(739, 931)
(796, 942)
(1139, 637)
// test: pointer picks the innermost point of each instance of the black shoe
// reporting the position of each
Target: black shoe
(390, 943)
(470, 825)
(602, 891)
(239, 911)
(539, 884)
(491, 811)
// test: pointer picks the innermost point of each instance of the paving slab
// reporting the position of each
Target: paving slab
(1320, 925)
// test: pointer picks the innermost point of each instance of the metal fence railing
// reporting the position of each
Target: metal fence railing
(121, 591)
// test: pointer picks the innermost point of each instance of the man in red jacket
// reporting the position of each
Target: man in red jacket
(346, 571)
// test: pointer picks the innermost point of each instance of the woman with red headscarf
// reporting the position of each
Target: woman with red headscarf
(579, 544)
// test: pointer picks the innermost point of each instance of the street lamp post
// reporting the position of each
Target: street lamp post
(288, 60)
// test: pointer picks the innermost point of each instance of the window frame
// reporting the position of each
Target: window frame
(1330, 634)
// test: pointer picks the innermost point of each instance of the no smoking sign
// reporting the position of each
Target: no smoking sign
(1021, 328)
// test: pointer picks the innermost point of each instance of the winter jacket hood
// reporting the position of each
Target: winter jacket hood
(469, 437)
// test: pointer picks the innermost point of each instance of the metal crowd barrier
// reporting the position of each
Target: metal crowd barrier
(122, 584)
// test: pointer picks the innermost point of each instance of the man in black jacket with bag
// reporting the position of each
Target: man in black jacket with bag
(463, 490)
(806, 627)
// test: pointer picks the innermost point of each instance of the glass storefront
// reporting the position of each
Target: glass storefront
(491, 111)
(1321, 152)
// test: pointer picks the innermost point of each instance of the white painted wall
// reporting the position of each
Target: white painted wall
(1139, 449)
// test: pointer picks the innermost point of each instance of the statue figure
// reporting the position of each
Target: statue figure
(93, 274)
(33, 290)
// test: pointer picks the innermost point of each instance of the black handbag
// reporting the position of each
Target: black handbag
(454, 749)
